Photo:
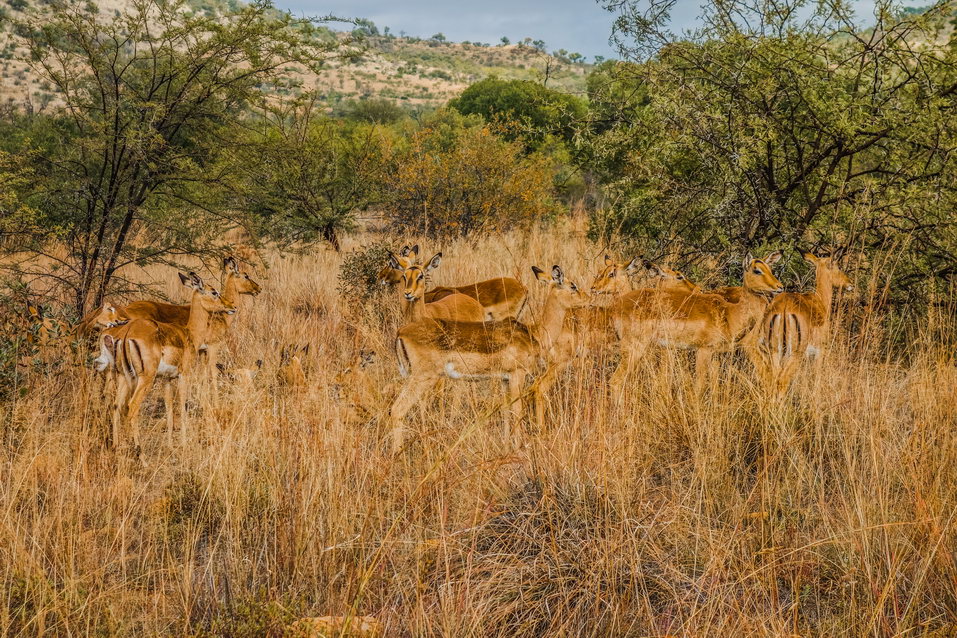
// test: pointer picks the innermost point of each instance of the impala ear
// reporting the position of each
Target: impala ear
(839, 254)
(633, 264)
(434, 262)
(773, 258)
(230, 264)
(366, 358)
(809, 256)
(652, 268)
(186, 280)
(557, 275)
(540, 275)
(404, 252)
(608, 260)
(414, 252)
(394, 262)
(748, 258)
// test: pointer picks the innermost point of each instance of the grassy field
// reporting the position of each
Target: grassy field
(719, 513)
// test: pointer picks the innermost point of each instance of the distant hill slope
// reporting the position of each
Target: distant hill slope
(412, 71)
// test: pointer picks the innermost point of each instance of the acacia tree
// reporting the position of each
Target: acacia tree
(147, 100)
(305, 176)
(781, 120)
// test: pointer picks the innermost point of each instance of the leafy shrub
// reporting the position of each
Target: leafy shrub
(455, 179)
(358, 274)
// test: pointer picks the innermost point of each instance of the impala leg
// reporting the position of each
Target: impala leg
(631, 355)
(408, 396)
(182, 385)
(212, 372)
(120, 408)
(516, 381)
(703, 368)
(170, 409)
(143, 385)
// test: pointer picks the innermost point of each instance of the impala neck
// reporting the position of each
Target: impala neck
(743, 315)
(824, 289)
(231, 294)
(198, 320)
(414, 310)
(549, 329)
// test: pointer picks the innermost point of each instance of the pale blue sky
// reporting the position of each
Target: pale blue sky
(575, 25)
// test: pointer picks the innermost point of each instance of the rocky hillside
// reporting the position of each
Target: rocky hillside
(411, 71)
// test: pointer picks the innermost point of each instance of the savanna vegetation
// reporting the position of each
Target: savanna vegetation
(676, 503)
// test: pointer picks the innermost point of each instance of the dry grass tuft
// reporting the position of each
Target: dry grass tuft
(671, 513)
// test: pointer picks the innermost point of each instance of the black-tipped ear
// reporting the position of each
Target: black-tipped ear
(414, 252)
(557, 275)
(633, 265)
(230, 263)
(608, 260)
(197, 280)
(404, 252)
(774, 257)
(434, 262)
(748, 258)
(186, 280)
(539, 274)
(305, 349)
(839, 254)
(393, 262)
(652, 268)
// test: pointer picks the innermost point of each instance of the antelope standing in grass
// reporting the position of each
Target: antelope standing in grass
(236, 283)
(430, 349)
(700, 321)
(588, 328)
(455, 307)
(144, 349)
(501, 298)
(795, 325)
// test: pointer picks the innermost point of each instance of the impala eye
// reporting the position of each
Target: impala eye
(756, 271)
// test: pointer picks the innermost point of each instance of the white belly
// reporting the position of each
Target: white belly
(105, 360)
(167, 370)
(454, 372)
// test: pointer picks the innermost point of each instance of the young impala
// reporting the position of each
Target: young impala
(501, 298)
(701, 321)
(795, 325)
(144, 349)
(431, 349)
(455, 307)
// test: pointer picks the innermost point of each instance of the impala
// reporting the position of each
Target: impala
(700, 321)
(587, 328)
(145, 349)
(455, 307)
(501, 298)
(355, 390)
(795, 325)
(292, 371)
(430, 349)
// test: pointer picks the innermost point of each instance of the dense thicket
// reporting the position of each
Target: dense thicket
(781, 122)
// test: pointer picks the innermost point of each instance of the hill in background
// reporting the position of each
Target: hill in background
(419, 73)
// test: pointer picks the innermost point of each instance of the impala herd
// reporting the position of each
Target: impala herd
(475, 331)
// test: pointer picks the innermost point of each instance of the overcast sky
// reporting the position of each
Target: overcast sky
(575, 25)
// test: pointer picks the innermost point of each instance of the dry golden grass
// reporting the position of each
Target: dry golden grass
(673, 513)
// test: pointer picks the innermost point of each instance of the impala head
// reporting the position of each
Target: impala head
(363, 360)
(293, 352)
(829, 265)
(209, 298)
(391, 274)
(413, 278)
(108, 316)
(667, 278)
(612, 279)
(758, 276)
(240, 278)
(566, 292)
